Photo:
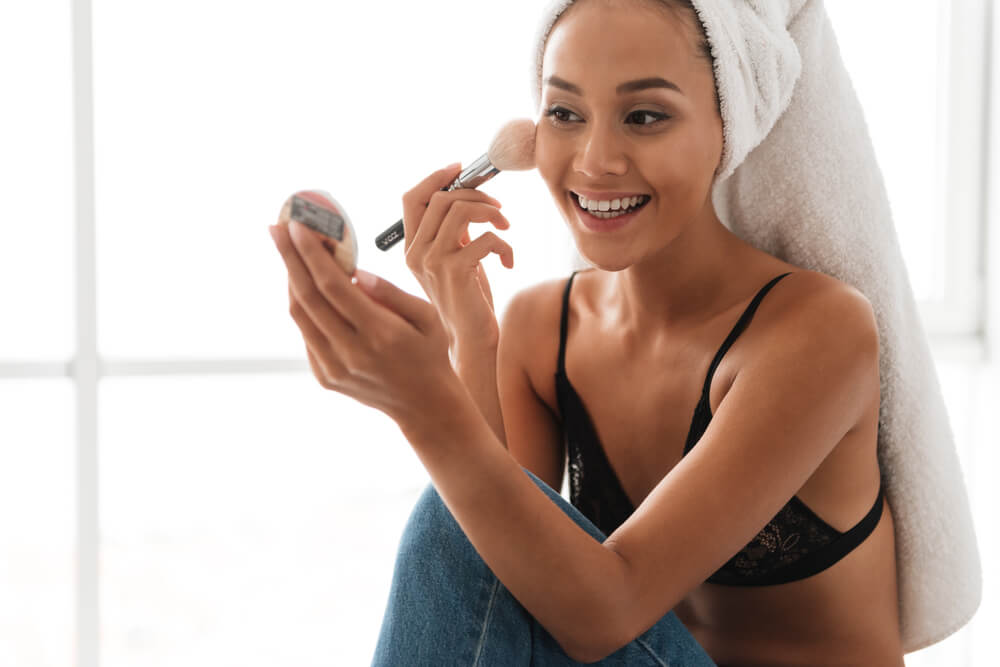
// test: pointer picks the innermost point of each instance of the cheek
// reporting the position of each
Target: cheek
(550, 160)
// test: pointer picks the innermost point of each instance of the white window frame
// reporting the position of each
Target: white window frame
(956, 322)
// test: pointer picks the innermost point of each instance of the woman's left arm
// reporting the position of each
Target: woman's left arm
(389, 350)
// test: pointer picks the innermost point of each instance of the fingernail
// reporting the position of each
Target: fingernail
(365, 279)
(451, 167)
(273, 229)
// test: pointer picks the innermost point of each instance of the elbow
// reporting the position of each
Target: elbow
(603, 620)
(589, 640)
(593, 649)
(600, 636)
(602, 643)
(586, 654)
(589, 658)
(585, 640)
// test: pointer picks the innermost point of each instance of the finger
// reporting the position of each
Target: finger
(464, 212)
(427, 228)
(319, 370)
(484, 245)
(419, 313)
(335, 286)
(417, 200)
(326, 318)
(331, 282)
(440, 207)
(317, 345)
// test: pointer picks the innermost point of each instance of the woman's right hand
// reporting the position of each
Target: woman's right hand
(445, 261)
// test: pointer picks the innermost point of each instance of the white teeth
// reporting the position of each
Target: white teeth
(612, 205)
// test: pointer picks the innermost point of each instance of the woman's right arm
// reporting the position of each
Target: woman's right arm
(533, 435)
(492, 364)
(476, 367)
(446, 263)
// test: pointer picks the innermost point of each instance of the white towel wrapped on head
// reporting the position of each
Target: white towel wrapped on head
(799, 180)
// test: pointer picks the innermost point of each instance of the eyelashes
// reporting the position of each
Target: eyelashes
(554, 112)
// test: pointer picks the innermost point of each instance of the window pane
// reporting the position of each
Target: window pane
(247, 521)
(198, 147)
(37, 531)
(971, 391)
(903, 93)
(36, 181)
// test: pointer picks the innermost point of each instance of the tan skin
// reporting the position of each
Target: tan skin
(847, 614)
(664, 296)
(667, 289)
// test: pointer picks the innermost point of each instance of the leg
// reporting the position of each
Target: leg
(446, 606)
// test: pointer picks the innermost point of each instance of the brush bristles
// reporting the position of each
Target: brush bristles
(513, 148)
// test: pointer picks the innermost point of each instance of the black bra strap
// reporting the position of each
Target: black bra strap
(564, 325)
(741, 324)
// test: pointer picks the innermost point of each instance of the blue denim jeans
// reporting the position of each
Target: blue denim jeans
(447, 608)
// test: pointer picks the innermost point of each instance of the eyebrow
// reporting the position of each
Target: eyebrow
(627, 87)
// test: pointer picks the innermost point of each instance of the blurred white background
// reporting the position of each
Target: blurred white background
(175, 487)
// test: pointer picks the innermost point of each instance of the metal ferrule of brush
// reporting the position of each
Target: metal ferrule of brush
(477, 173)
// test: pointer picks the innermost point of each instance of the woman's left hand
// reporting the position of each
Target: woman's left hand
(375, 343)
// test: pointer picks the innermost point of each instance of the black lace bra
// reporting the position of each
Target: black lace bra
(795, 544)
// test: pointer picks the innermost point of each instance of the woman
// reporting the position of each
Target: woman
(722, 417)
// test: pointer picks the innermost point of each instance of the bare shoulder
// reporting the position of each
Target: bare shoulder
(526, 366)
(530, 331)
(540, 297)
(813, 318)
(533, 308)
(817, 301)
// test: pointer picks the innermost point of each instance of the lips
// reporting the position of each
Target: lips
(598, 224)
(575, 196)
(607, 196)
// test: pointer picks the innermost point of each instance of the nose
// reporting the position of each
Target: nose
(600, 153)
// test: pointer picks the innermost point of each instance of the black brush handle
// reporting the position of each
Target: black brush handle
(390, 237)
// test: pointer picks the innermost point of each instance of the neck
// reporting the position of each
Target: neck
(679, 287)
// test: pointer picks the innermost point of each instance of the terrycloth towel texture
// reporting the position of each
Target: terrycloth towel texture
(799, 180)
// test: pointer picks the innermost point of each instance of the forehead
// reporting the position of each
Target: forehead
(605, 43)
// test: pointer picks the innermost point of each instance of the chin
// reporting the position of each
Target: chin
(605, 259)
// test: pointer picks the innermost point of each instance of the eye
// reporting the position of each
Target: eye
(658, 116)
(556, 112)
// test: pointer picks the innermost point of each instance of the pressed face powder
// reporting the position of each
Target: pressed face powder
(320, 212)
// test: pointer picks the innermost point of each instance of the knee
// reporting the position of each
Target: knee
(573, 513)
(432, 533)
(540, 483)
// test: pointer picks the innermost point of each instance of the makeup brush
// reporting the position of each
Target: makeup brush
(512, 149)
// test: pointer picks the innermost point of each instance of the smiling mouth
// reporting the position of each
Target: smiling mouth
(611, 213)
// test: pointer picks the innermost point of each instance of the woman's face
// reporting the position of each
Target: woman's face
(656, 141)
